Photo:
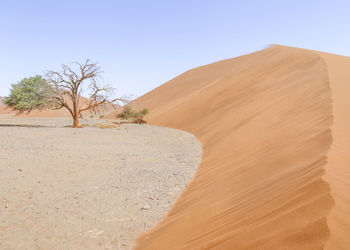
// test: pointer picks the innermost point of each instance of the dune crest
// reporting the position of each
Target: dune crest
(273, 173)
(337, 169)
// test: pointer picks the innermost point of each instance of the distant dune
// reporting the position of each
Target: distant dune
(45, 113)
(3, 107)
(275, 173)
(54, 113)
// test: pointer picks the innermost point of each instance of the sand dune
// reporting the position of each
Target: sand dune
(45, 113)
(274, 171)
(3, 107)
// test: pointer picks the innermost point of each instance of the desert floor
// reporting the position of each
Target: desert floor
(89, 188)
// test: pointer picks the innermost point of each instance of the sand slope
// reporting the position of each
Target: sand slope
(265, 121)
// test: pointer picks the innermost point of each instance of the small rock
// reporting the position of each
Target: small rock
(145, 207)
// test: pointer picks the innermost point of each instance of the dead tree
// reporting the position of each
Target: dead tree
(78, 90)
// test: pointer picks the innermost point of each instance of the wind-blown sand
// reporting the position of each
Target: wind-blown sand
(90, 188)
(275, 173)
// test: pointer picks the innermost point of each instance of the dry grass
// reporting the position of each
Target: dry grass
(100, 125)
(103, 125)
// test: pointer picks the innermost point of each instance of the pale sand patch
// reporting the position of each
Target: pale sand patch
(90, 188)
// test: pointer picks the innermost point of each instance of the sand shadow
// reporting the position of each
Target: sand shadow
(25, 126)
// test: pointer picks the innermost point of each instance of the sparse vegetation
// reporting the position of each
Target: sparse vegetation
(64, 89)
(29, 94)
(103, 125)
(135, 116)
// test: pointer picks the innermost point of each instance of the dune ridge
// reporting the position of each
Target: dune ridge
(337, 168)
(273, 173)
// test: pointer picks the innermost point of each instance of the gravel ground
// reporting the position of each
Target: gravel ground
(89, 188)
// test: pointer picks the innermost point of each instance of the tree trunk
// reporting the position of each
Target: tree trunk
(75, 112)
(75, 122)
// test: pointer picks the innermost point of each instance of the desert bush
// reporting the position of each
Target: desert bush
(136, 116)
(29, 94)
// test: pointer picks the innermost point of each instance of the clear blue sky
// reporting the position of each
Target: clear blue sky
(141, 44)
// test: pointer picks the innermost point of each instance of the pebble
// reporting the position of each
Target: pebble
(145, 207)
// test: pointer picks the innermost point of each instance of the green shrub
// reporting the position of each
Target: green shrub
(29, 94)
(129, 113)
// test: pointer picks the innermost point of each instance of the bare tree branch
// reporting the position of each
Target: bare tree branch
(71, 84)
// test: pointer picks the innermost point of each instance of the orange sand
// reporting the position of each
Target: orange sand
(275, 166)
(338, 167)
